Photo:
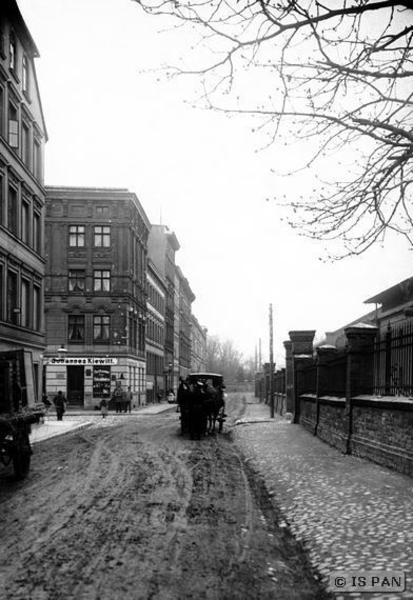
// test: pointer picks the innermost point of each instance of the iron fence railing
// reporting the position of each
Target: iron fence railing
(393, 361)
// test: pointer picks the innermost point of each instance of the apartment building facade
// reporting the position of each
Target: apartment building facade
(155, 334)
(198, 346)
(22, 199)
(162, 247)
(183, 324)
(95, 293)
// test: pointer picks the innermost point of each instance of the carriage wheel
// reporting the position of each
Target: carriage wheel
(21, 455)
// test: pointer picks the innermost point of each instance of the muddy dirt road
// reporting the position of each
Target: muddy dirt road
(135, 511)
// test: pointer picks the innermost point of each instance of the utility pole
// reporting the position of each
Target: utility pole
(262, 387)
(271, 365)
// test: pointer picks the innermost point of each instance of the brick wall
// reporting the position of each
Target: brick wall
(382, 432)
(344, 411)
(308, 412)
(376, 429)
(332, 424)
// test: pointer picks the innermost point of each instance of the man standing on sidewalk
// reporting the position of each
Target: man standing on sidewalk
(60, 403)
(128, 400)
(118, 397)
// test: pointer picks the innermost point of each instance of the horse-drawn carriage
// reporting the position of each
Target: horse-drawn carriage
(201, 401)
(16, 413)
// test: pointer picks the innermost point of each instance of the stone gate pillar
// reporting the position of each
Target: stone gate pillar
(301, 350)
(324, 355)
(289, 399)
(360, 367)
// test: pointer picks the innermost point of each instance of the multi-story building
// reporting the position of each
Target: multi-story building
(198, 346)
(162, 246)
(155, 333)
(95, 293)
(22, 138)
(183, 322)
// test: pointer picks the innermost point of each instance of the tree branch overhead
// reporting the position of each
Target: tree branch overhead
(336, 76)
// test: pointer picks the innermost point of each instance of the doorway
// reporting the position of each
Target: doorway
(75, 385)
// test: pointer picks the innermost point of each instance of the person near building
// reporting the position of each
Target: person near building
(46, 402)
(103, 407)
(128, 400)
(60, 403)
(118, 397)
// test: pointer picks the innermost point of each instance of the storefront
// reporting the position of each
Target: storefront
(85, 380)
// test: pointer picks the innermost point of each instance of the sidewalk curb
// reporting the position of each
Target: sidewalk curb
(60, 434)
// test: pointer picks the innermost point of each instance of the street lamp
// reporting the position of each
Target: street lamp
(62, 352)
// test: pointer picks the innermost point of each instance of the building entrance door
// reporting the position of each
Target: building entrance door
(75, 385)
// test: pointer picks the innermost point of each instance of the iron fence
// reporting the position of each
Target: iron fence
(393, 361)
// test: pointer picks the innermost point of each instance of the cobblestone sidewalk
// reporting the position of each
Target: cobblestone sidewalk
(350, 513)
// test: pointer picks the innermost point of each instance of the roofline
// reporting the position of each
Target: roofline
(377, 299)
(26, 30)
(67, 192)
(36, 54)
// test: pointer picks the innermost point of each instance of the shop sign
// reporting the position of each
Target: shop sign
(83, 361)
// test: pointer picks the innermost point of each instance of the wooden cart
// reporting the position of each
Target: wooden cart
(198, 419)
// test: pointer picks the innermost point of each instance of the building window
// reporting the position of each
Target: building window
(12, 51)
(1, 38)
(25, 74)
(25, 303)
(37, 160)
(102, 211)
(101, 236)
(2, 96)
(2, 305)
(101, 328)
(101, 281)
(2, 211)
(25, 225)
(12, 210)
(37, 308)
(12, 308)
(76, 331)
(36, 232)
(25, 144)
(77, 236)
(13, 126)
(76, 280)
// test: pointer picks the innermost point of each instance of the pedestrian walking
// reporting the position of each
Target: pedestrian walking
(103, 407)
(46, 402)
(118, 397)
(128, 400)
(60, 403)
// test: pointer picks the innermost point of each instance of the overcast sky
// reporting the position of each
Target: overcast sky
(113, 121)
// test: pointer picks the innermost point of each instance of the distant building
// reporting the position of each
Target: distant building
(95, 293)
(162, 247)
(22, 138)
(155, 333)
(183, 323)
(393, 306)
(198, 346)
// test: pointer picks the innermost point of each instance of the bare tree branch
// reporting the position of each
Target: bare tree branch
(337, 78)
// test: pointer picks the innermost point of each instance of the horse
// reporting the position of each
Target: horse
(212, 406)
